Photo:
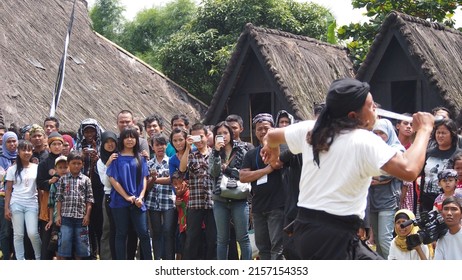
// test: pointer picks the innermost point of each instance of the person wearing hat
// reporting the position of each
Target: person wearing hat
(399, 249)
(45, 178)
(267, 194)
(61, 168)
(37, 137)
(447, 180)
(89, 144)
(340, 156)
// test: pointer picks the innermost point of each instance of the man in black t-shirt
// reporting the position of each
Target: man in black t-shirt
(267, 195)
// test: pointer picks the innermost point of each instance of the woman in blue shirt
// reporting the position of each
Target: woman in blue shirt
(127, 175)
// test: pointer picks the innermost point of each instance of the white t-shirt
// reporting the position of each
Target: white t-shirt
(24, 188)
(449, 247)
(340, 185)
(397, 254)
(103, 176)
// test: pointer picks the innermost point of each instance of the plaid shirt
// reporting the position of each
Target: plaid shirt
(74, 193)
(161, 197)
(200, 181)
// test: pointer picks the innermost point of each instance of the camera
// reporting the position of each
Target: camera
(220, 138)
(431, 227)
(196, 138)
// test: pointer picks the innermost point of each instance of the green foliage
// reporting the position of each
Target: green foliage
(107, 19)
(152, 27)
(187, 59)
(361, 36)
(192, 44)
(197, 55)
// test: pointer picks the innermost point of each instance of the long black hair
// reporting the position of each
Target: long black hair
(131, 131)
(452, 127)
(226, 125)
(23, 145)
(176, 131)
(323, 136)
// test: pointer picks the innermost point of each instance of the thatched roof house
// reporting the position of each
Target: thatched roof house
(414, 65)
(101, 78)
(272, 70)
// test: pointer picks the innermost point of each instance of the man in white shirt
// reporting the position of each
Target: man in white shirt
(449, 247)
(340, 156)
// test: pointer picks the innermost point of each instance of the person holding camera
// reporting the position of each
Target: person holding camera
(226, 161)
(449, 246)
(400, 248)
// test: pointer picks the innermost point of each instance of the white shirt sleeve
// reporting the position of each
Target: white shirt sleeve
(295, 135)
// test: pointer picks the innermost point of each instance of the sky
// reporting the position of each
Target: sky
(341, 9)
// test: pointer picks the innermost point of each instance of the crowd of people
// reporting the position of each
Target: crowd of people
(327, 188)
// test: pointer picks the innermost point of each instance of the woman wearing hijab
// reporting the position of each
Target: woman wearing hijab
(384, 194)
(108, 153)
(9, 146)
(399, 249)
(68, 144)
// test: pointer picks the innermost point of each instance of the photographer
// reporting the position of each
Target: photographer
(399, 249)
(449, 247)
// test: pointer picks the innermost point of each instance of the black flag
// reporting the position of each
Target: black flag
(62, 68)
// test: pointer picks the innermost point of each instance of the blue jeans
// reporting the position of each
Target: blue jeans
(238, 211)
(163, 225)
(29, 215)
(122, 217)
(383, 224)
(268, 233)
(5, 231)
(73, 238)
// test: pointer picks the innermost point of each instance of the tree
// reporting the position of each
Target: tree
(362, 35)
(152, 27)
(196, 56)
(107, 18)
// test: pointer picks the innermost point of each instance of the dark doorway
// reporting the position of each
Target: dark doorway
(260, 103)
(403, 96)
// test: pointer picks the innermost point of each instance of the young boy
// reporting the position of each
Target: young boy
(200, 205)
(447, 180)
(61, 169)
(74, 200)
(160, 202)
(182, 198)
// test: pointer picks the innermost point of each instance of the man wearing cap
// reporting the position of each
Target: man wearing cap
(45, 178)
(340, 156)
(37, 138)
(267, 194)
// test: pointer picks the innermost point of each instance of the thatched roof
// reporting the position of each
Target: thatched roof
(101, 78)
(432, 47)
(302, 67)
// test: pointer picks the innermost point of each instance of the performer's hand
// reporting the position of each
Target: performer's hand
(423, 120)
(269, 155)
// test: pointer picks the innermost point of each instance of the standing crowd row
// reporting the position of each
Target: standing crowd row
(105, 195)
(203, 193)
